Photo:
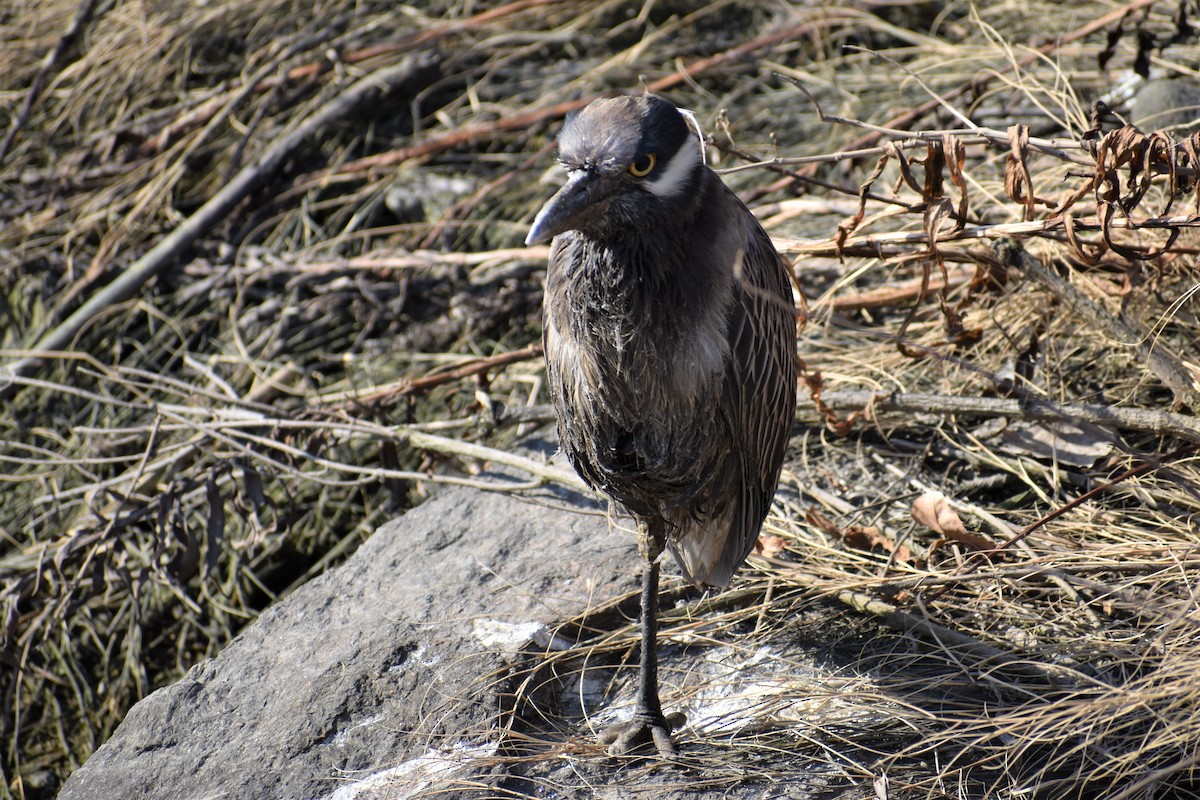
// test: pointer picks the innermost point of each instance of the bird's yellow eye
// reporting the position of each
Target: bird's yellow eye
(643, 166)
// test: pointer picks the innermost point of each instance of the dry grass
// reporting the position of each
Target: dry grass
(241, 417)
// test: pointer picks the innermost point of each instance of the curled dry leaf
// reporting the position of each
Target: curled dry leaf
(769, 545)
(933, 510)
(881, 787)
(868, 537)
(821, 522)
(861, 537)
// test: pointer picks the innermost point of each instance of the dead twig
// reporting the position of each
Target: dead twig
(485, 131)
(406, 44)
(900, 242)
(979, 559)
(1163, 423)
(387, 395)
(83, 16)
(957, 645)
(888, 296)
(368, 90)
(1164, 364)
(907, 119)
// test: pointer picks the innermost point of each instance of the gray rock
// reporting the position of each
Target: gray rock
(398, 675)
(365, 666)
(419, 195)
(1167, 103)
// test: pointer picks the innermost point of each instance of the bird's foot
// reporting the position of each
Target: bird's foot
(629, 738)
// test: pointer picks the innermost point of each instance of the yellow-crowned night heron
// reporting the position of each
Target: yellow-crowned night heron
(670, 351)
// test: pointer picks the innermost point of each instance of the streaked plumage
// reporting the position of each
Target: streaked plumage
(670, 342)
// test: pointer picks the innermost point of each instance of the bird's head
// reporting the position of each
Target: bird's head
(631, 163)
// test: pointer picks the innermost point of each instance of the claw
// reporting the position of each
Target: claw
(627, 738)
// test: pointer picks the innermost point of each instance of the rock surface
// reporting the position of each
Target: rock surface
(394, 676)
(365, 666)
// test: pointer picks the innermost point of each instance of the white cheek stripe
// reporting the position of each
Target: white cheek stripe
(674, 177)
(694, 124)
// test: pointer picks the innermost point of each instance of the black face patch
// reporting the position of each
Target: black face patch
(664, 130)
(609, 135)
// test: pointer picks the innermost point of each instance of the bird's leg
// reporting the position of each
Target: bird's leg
(648, 725)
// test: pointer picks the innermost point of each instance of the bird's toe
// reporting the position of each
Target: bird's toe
(640, 733)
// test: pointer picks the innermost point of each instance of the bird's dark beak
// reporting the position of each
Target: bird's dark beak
(561, 212)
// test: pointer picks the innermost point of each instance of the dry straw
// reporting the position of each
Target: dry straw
(235, 344)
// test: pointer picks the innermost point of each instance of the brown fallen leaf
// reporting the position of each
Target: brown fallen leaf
(933, 510)
(821, 522)
(868, 537)
(861, 537)
(768, 545)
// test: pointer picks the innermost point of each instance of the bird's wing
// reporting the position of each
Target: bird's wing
(760, 388)
(758, 403)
